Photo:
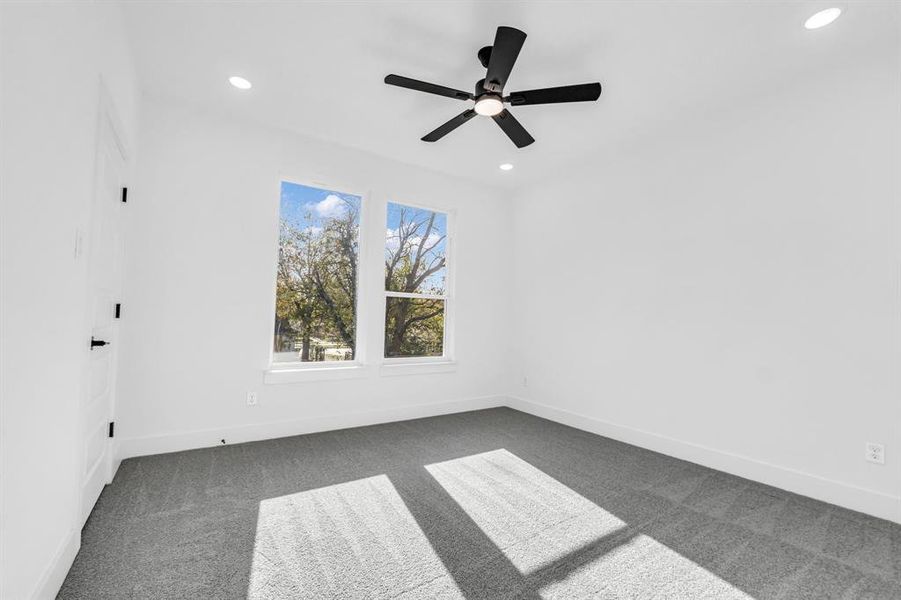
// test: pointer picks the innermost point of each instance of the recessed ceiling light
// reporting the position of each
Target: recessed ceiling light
(506, 167)
(822, 18)
(240, 83)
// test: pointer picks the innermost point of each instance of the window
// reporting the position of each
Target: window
(316, 284)
(416, 283)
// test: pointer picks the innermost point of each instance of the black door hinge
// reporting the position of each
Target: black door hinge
(95, 343)
(112, 428)
(125, 194)
(118, 310)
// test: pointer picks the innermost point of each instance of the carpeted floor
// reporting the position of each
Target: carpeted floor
(491, 504)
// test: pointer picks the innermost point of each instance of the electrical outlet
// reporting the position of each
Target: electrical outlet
(875, 453)
(251, 398)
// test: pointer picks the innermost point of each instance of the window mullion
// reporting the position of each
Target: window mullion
(392, 294)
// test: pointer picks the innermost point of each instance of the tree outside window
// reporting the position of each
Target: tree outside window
(316, 285)
(415, 282)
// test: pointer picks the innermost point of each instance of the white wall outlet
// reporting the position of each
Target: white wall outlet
(251, 398)
(875, 453)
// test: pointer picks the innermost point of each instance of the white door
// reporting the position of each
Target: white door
(105, 283)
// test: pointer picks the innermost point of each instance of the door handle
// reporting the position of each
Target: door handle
(97, 343)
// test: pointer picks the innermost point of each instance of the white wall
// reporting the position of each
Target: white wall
(199, 292)
(53, 56)
(729, 291)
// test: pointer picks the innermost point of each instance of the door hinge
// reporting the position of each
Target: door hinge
(125, 194)
(112, 428)
(118, 310)
(95, 343)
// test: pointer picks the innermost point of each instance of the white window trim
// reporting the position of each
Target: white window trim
(289, 372)
(410, 365)
(305, 373)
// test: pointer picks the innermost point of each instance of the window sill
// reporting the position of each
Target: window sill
(288, 374)
(417, 368)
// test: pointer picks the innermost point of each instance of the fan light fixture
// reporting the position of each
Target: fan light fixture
(489, 95)
(240, 83)
(488, 106)
(822, 18)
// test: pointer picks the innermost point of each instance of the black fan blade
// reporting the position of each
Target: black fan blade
(507, 44)
(429, 88)
(583, 92)
(513, 129)
(445, 129)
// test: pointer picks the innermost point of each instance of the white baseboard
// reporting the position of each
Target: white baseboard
(189, 440)
(864, 500)
(55, 573)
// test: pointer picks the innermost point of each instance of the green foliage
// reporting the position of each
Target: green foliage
(316, 286)
(414, 327)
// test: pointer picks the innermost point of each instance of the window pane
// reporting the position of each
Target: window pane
(316, 287)
(414, 327)
(415, 250)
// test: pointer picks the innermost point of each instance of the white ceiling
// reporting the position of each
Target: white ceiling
(317, 68)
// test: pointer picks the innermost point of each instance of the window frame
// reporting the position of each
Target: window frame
(447, 347)
(276, 372)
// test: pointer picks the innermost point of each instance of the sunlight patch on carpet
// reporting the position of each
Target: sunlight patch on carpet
(564, 545)
(531, 517)
(354, 539)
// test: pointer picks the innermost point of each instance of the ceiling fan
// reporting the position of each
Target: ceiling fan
(489, 92)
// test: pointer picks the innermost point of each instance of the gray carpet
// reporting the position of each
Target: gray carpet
(492, 504)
